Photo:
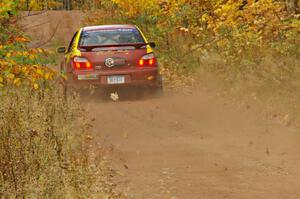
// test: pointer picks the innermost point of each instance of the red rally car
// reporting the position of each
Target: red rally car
(110, 56)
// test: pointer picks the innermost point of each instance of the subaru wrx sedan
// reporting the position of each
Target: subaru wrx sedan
(110, 55)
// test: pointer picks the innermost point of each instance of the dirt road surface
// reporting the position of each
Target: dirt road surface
(197, 146)
(188, 146)
(51, 28)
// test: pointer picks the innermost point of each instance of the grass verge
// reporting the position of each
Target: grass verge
(44, 148)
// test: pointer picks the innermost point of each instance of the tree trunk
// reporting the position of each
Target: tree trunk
(67, 4)
(27, 4)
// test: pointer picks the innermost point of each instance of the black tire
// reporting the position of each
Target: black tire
(68, 89)
(158, 91)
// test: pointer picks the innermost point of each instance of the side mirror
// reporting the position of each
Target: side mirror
(61, 50)
(152, 44)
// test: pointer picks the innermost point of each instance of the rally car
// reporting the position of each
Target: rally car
(110, 56)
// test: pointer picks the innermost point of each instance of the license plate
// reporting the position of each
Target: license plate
(87, 77)
(115, 79)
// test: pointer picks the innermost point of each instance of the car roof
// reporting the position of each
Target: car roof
(109, 27)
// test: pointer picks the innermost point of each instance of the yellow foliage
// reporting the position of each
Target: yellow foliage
(20, 74)
(21, 39)
(39, 72)
(40, 4)
(8, 55)
(266, 18)
(10, 76)
(17, 81)
(133, 7)
(18, 64)
(35, 86)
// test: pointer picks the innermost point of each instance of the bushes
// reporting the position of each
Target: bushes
(44, 148)
(249, 47)
(235, 30)
(20, 65)
(44, 141)
(241, 34)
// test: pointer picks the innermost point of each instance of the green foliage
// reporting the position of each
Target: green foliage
(7, 7)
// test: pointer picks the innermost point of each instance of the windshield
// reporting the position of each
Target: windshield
(110, 37)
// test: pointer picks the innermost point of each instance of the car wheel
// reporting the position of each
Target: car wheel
(68, 89)
(158, 91)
